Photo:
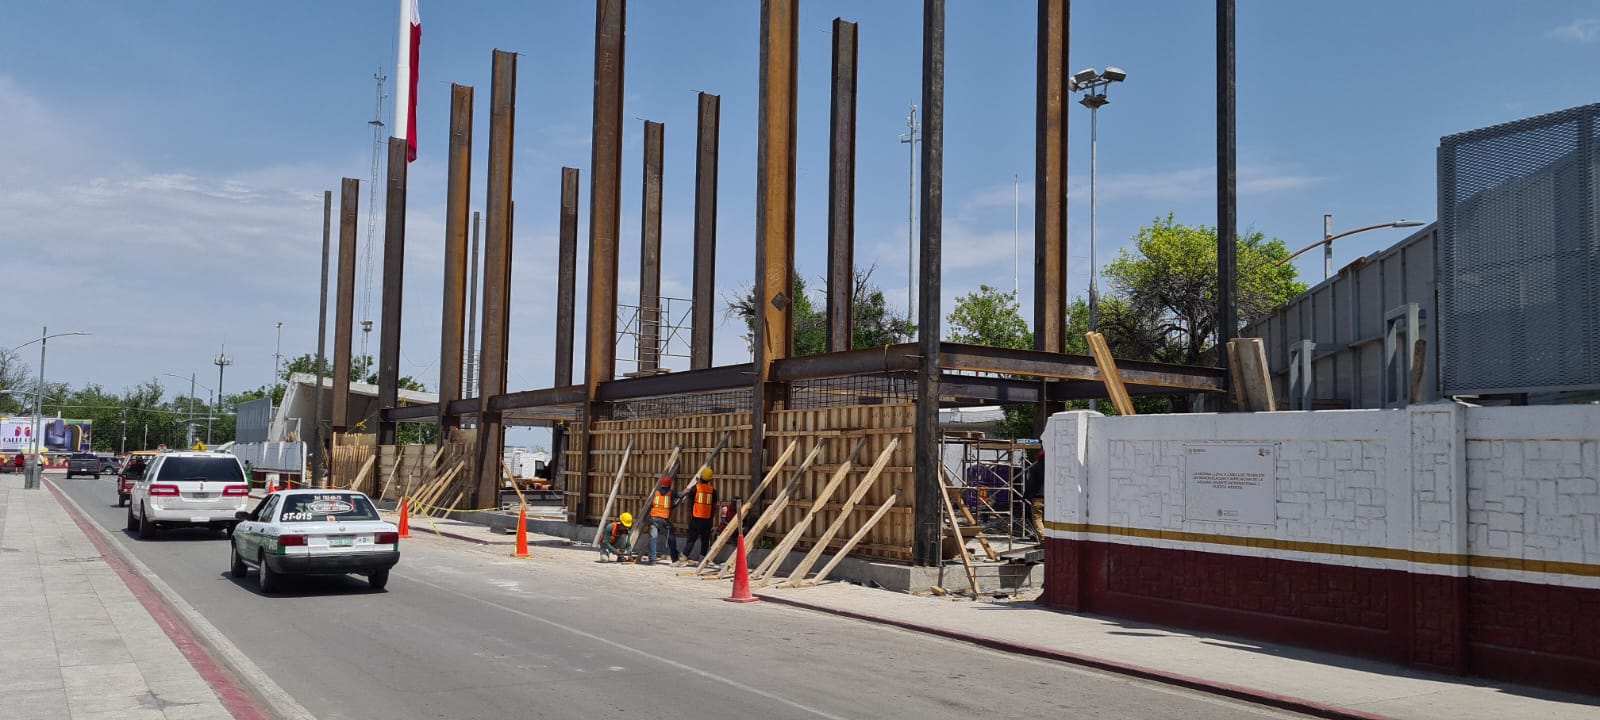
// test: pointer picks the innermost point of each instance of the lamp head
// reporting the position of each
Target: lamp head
(1085, 76)
(1114, 74)
(1409, 223)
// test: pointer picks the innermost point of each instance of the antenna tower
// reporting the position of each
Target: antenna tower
(372, 209)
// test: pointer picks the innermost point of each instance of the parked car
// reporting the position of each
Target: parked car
(314, 532)
(188, 489)
(110, 464)
(83, 464)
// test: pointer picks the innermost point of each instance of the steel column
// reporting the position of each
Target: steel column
(703, 310)
(469, 385)
(496, 275)
(1227, 186)
(775, 178)
(925, 549)
(344, 307)
(605, 199)
(842, 189)
(457, 198)
(394, 266)
(1050, 180)
(650, 251)
(566, 276)
(322, 345)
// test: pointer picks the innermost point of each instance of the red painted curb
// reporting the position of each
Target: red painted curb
(235, 699)
(1258, 697)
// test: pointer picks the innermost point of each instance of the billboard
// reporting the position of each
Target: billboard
(59, 434)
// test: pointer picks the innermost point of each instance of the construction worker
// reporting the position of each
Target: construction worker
(661, 518)
(700, 515)
(611, 543)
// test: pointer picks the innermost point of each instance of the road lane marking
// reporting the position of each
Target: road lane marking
(626, 648)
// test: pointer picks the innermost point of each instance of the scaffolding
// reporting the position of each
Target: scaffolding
(990, 481)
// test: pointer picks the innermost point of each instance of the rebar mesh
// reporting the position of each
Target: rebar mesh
(1519, 261)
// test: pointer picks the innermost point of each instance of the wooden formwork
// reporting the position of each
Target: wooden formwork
(838, 429)
(350, 452)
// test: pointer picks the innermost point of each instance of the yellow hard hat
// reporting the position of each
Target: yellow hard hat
(627, 520)
(705, 473)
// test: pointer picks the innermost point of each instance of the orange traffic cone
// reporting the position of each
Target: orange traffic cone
(522, 535)
(405, 519)
(741, 578)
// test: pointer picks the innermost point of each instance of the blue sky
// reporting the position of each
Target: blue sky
(163, 163)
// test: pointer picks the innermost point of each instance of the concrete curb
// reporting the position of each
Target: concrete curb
(1236, 692)
(233, 676)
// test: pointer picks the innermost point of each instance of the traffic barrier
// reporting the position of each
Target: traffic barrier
(405, 519)
(741, 578)
(522, 535)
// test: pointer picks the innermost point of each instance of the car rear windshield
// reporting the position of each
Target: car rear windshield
(218, 469)
(327, 507)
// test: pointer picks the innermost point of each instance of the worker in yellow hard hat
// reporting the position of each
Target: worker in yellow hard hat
(701, 515)
(615, 536)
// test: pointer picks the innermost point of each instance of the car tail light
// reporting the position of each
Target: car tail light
(387, 538)
(236, 491)
(163, 491)
(291, 540)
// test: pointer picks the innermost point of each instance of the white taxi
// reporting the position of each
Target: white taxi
(314, 532)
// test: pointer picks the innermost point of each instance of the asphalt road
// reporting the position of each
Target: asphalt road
(464, 632)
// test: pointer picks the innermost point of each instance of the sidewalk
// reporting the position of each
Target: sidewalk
(77, 642)
(1317, 683)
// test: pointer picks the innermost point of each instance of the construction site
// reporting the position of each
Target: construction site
(831, 454)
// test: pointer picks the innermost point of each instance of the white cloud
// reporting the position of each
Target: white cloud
(1582, 30)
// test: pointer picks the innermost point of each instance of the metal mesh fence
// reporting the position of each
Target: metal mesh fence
(1519, 260)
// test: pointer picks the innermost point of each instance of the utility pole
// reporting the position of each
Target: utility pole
(124, 449)
(221, 361)
(910, 139)
(469, 388)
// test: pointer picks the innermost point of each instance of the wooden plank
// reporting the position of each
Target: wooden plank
(1109, 374)
(838, 524)
(1250, 357)
(966, 514)
(774, 559)
(778, 503)
(638, 527)
(366, 468)
(1419, 359)
(744, 508)
(611, 500)
(850, 544)
(961, 540)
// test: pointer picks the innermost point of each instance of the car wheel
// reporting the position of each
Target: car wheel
(69, 476)
(147, 528)
(133, 523)
(266, 579)
(378, 579)
(236, 566)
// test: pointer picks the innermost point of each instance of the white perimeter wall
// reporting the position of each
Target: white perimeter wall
(1418, 489)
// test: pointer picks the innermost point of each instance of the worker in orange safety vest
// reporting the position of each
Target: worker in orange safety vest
(661, 502)
(700, 516)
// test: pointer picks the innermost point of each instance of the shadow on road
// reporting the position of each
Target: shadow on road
(297, 586)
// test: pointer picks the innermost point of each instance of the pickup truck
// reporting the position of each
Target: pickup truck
(83, 464)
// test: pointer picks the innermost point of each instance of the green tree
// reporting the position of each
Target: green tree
(1169, 281)
(13, 382)
(875, 323)
(989, 317)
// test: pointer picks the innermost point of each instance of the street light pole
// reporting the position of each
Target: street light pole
(35, 477)
(1328, 237)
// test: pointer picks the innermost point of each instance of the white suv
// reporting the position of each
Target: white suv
(188, 489)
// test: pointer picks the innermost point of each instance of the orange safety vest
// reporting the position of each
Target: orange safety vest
(661, 505)
(703, 494)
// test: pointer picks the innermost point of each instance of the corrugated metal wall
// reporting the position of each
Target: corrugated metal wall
(1346, 316)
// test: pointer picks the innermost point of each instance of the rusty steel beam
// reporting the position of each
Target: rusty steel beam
(926, 536)
(569, 395)
(394, 267)
(457, 198)
(775, 179)
(650, 251)
(979, 358)
(566, 276)
(344, 306)
(703, 304)
(414, 413)
(605, 202)
(1227, 185)
(842, 188)
(726, 377)
(465, 407)
(496, 274)
(317, 436)
(1050, 180)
